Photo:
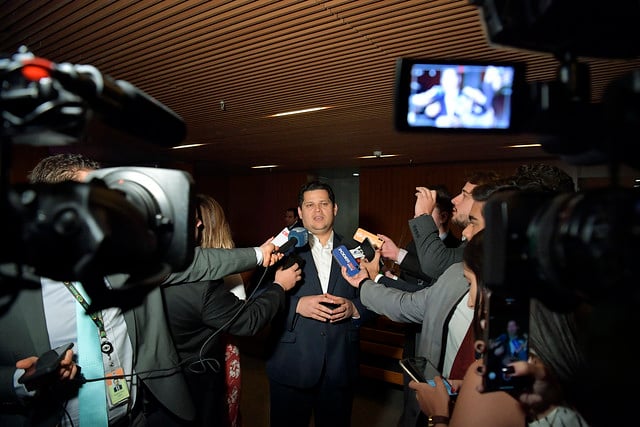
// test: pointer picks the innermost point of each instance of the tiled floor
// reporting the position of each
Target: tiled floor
(376, 404)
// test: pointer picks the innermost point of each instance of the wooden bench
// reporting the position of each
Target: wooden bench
(381, 347)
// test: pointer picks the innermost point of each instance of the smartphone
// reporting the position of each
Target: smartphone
(361, 234)
(507, 340)
(46, 368)
(331, 305)
(415, 366)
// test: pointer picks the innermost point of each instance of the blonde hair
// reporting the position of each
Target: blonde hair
(216, 232)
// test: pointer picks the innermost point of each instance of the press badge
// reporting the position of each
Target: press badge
(117, 388)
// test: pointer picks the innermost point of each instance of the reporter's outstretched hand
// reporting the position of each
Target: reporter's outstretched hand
(372, 267)
(389, 249)
(287, 278)
(356, 278)
(268, 256)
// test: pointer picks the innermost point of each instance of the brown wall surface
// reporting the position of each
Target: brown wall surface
(255, 204)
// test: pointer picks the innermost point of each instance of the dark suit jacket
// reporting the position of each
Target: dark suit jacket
(303, 345)
(412, 272)
(197, 311)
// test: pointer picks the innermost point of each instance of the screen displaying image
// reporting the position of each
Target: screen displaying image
(507, 340)
(455, 95)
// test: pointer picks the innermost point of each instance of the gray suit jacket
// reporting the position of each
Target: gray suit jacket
(435, 257)
(432, 307)
(24, 333)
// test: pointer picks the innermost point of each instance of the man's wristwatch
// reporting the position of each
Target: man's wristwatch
(434, 420)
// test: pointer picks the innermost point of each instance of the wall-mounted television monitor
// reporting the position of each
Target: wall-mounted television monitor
(455, 95)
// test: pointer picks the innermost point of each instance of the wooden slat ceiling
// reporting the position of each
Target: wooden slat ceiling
(265, 57)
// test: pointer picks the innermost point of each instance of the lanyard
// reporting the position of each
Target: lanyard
(105, 345)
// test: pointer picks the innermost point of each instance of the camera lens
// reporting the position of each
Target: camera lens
(563, 248)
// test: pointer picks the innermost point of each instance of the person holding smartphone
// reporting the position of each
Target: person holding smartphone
(557, 368)
(444, 310)
(444, 341)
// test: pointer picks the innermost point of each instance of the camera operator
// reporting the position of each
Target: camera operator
(135, 342)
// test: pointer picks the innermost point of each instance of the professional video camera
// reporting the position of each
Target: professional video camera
(131, 220)
(493, 96)
(573, 252)
(573, 244)
(576, 251)
(569, 247)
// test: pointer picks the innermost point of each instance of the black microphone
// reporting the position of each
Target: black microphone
(298, 237)
(121, 104)
(360, 250)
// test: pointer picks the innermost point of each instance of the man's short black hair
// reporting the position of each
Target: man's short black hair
(316, 185)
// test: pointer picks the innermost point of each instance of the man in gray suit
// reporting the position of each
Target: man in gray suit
(34, 320)
(434, 256)
(444, 310)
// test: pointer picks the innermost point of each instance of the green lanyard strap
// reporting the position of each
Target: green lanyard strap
(105, 346)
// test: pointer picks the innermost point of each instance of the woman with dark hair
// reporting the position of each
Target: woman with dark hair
(557, 365)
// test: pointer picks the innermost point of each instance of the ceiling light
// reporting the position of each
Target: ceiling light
(177, 147)
(289, 113)
(264, 166)
(524, 145)
(378, 155)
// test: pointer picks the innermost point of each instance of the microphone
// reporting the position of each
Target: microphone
(298, 237)
(360, 250)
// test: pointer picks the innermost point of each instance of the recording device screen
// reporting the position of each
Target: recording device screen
(507, 340)
(457, 95)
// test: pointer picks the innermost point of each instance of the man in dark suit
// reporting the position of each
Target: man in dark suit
(291, 218)
(407, 259)
(44, 317)
(314, 361)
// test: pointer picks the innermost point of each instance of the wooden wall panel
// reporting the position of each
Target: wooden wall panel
(23, 159)
(255, 204)
(387, 195)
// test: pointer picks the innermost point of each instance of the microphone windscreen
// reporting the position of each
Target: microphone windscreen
(301, 235)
